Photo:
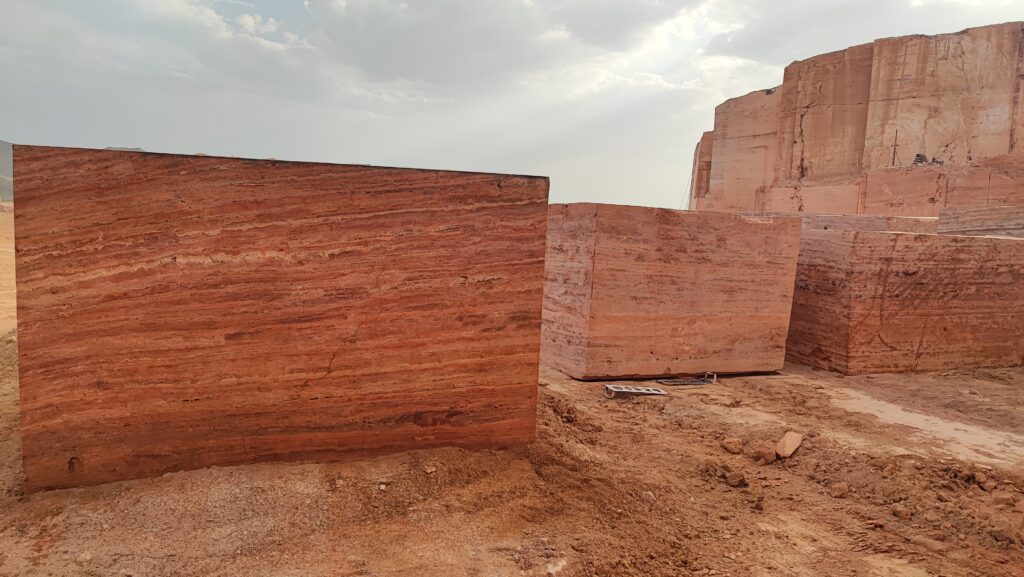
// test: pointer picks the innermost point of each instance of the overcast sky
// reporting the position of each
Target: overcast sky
(607, 97)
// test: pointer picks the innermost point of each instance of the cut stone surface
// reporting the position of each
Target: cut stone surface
(700, 180)
(948, 97)
(644, 292)
(903, 126)
(998, 221)
(874, 302)
(834, 199)
(743, 156)
(927, 225)
(823, 115)
(177, 312)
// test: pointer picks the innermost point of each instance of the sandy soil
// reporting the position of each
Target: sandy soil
(898, 476)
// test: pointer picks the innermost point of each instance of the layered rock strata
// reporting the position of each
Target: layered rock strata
(177, 312)
(811, 221)
(902, 126)
(998, 221)
(874, 302)
(642, 292)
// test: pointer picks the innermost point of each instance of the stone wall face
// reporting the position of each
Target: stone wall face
(903, 126)
(823, 116)
(949, 97)
(853, 222)
(871, 302)
(997, 221)
(177, 312)
(743, 155)
(669, 292)
(700, 180)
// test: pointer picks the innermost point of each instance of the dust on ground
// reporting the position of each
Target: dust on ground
(896, 477)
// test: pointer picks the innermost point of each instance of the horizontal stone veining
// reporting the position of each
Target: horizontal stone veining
(903, 127)
(178, 312)
(642, 292)
(995, 221)
(876, 302)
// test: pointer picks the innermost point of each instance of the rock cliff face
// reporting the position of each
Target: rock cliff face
(902, 126)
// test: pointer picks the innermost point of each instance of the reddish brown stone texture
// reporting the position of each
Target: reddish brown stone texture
(177, 312)
(700, 180)
(903, 126)
(949, 97)
(869, 302)
(919, 192)
(824, 115)
(996, 221)
(743, 157)
(827, 198)
(643, 292)
(865, 222)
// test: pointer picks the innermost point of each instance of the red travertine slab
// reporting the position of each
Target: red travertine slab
(925, 225)
(642, 292)
(700, 179)
(177, 312)
(743, 157)
(873, 302)
(994, 221)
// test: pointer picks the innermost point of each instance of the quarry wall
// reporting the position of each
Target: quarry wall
(902, 126)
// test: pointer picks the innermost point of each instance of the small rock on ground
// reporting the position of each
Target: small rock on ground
(732, 445)
(788, 444)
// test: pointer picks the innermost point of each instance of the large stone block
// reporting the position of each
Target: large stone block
(177, 312)
(995, 221)
(873, 302)
(643, 292)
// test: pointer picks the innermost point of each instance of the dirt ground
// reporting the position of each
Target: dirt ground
(898, 476)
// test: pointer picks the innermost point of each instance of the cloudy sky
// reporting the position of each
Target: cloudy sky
(607, 97)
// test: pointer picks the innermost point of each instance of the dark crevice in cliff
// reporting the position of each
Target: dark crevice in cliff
(802, 166)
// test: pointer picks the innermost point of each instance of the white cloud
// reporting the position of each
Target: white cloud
(255, 24)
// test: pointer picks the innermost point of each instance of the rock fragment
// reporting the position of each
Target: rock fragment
(763, 453)
(839, 490)
(788, 444)
(732, 445)
(735, 479)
